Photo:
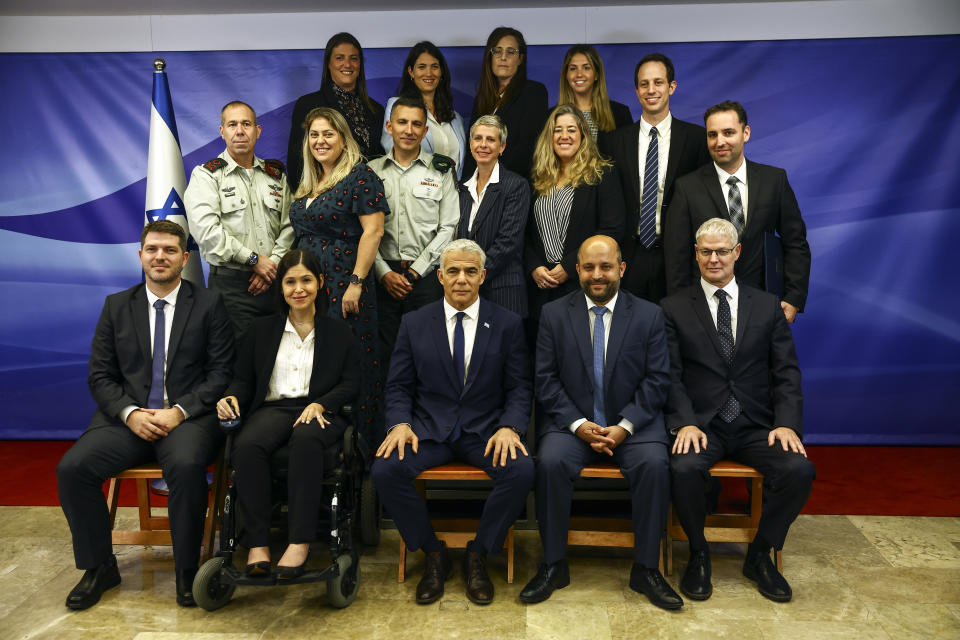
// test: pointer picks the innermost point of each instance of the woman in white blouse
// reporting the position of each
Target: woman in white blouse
(427, 76)
(294, 371)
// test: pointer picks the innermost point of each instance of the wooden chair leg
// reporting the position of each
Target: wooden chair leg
(510, 555)
(778, 556)
(113, 499)
(402, 565)
(143, 500)
(660, 556)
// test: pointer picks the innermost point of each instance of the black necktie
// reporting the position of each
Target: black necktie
(731, 408)
(155, 399)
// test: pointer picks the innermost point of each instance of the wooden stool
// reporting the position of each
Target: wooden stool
(603, 532)
(726, 527)
(456, 532)
(155, 530)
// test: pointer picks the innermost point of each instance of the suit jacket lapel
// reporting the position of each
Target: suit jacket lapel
(490, 201)
(708, 173)
(577, 310)
(744, 307)
(753, 186)
(180, 316)
(480, 339)
(699, 301)
(439, 332)
(633, 161)
(622, 316)
(677, 140)
(141, 322)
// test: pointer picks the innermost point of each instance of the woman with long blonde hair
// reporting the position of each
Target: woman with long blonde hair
(338, 214)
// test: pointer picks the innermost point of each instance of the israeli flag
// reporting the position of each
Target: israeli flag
(166, 179)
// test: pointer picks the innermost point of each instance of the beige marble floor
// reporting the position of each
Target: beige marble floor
(853, 577)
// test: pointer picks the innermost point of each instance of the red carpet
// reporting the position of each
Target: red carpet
(894, 481)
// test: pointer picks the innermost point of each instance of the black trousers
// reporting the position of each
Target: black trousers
(389, 311)
(263, 432)
(787, 479)
(106, 449)
(560, 457)
(393, 479)
(241, 305)
(645, 276)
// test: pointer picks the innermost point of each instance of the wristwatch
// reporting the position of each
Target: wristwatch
(355, 279)
(252, 260)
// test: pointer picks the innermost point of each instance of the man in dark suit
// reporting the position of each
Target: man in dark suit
(161, 358)
(459, 388)
(602, 398)
(675, 149)
(735, 393)
(757, 198)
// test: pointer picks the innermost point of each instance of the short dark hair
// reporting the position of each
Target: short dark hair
(165, 226)
(414, 102)
(238, 103)
(309, 260)
(727, 105)
(653, 57)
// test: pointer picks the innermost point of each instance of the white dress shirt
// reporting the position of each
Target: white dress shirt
(663, 154)
(471, 186)
(293, 367)
(607, 321)
(733, 299)
(445, 140)
(168, 311)
(741, 175)
(470, 317)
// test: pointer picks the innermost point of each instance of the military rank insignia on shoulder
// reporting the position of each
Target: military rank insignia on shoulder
(441, 163)
(274, 168)
(216, 163)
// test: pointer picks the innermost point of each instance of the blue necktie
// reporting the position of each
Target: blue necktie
(155, 399)
(599, 415)
(458, 363)
(731, 408)
(648, 199)
(735, 205)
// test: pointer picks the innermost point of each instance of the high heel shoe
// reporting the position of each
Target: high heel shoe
(291, 573)
(258, 569)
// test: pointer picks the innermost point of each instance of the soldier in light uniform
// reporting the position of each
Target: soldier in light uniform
(421, 189)
(238, 208)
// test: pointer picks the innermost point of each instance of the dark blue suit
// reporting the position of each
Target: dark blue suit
(499, 228)
(453, 422)
(636, 380)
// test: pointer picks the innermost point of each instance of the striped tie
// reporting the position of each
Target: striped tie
(648, 200)
(735, 205)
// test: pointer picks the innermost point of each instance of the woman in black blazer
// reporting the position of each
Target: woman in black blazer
(504, 90)
(293, 372)
(576, 195)
(583, 83)
(344, 88)
(494, 203)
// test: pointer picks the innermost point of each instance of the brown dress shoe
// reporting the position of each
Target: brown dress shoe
(479, 587)
(435, 573)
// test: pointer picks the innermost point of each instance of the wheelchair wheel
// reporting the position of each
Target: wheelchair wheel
(369, 513)
(207, 589)
(342, 590)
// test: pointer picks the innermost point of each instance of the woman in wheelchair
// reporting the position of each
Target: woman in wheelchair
(294, 371)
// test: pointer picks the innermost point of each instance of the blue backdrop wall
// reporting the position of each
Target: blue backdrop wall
(866, 128)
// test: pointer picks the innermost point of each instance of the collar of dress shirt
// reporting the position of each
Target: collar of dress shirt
(171, 297)
(710, 289)
(663, 129)
(741, 173)
(289, 328)
(472, 312)
(423, 158)
(471, 184)
(609, 304)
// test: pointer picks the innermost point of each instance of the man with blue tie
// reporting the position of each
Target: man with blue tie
(601, 378)
(161, 357)
(458, 389)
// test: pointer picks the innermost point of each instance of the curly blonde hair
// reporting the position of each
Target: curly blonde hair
(587, 164)
(314, 181)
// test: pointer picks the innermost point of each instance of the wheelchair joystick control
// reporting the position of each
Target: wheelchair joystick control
(231, 423)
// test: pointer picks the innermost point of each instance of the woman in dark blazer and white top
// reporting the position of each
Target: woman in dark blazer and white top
(494, 204)
(576, 195)
(293, 372)
(505, 90)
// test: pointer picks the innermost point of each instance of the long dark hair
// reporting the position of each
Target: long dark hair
(443, 98)
(488, 93)
(312, 263)
(336, 40)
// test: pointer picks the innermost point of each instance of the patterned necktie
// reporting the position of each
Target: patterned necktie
(731, 408)
(599, 415)
(458, 363)
(735, 205)
(648, 199)
(155, 399)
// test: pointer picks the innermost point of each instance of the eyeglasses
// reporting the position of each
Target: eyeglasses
(721, 253)
(509, 52)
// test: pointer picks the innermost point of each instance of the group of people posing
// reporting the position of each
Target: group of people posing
(401, 266)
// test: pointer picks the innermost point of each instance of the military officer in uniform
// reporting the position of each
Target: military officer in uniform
(238, 208)
(421, 189)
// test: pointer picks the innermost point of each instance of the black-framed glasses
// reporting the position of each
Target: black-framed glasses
(721, 253)
(496, 52)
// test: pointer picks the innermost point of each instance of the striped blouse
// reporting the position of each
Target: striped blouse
(552, 213)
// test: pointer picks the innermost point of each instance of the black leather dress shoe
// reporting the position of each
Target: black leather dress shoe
(758, 567)
(549, 577)
(696, 579)
(93, 583)
(479, 587)
(650, 583)
(291, 573)
(258, 569)
(435, 573)
(185, 587)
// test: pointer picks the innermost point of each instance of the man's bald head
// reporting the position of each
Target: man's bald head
(600, 267)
